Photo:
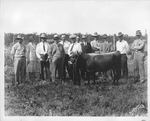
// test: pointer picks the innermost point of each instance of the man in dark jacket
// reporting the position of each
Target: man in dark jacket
(86, 48)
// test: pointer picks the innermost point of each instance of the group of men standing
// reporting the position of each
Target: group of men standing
(60, 55)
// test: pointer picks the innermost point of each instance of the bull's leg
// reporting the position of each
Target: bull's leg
(88, 77)
(94, 77)
(114, 77)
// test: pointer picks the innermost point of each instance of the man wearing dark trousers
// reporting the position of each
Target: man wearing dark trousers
(123, 47)
(41, 52)
(74, 51)
(86, 48)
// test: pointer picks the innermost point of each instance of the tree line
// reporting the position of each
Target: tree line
(10, 38)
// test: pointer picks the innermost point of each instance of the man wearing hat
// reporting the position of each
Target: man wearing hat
(74, 51)
(94, 43)
(138, 47)
(106, 46)
(123, 47)
(78, 40)
(66, 45)
(74, 48)
(18, 52)
(42, 55)
(56, 54)
(86, 48)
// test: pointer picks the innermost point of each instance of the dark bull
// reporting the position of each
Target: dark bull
(91, 63)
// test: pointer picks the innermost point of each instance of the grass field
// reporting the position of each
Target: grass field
(49, 99)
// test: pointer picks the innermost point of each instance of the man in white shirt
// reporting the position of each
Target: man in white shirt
(74, 48)
(42, 55)
(123, 47)
(66, 45)
(94, 43)
(74, 51)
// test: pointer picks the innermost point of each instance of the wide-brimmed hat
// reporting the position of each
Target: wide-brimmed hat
(73, 36)
(95, 34)
(43, 35)
(77, 37)
(56, 36)
(120, 34)
(84, 36)
(31, 38)
(105, 36)
(19, 37)
(63, 36)
(138, 32)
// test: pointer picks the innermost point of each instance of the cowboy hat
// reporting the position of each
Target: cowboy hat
(56, 36)
(105, 36)
(19, 37)
(84, 36)
(72, 36)
(42, 35)
(138, 32)
(120, 34)
(95, 34)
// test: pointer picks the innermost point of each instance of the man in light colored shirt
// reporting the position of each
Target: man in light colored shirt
(66, 45)
(94, 43)
(138, 47)
(56, 56)
(19, 52)
(74, 51)
(123, 47)
(78, 40)
(74, 48)
(106, 46)
(42, 54)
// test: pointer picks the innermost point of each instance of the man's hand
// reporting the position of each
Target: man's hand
(27, 61)
(135, 48)
(73, 54)
(50, 60)
(12, 58)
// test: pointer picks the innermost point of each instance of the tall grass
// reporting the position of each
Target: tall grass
(49, 99)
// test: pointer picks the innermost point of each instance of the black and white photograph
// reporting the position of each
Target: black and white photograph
(75, 59)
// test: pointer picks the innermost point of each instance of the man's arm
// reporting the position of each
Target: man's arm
(50, 52)
(90, 48)
(13, 51)
(127, 47)
(140, 46)
(111, 47)
(69, 50)
(27, 53)
(117, 46)
(133, 45)
(79, 49)
(37, 52)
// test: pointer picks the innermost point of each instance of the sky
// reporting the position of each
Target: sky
(72, 16)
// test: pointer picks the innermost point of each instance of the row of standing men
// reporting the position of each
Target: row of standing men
(55, 56)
